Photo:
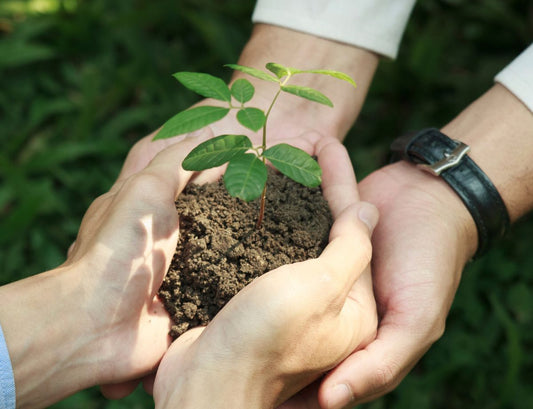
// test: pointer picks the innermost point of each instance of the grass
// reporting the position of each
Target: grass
(81, 81)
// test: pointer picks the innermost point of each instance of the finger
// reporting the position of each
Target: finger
(339, 185)
(119, 390)
(148, 383)
(209, 175)
(144, 151)
(166, 165)
(143, 154)
(349, 251)
(373, 371)
(305, 399)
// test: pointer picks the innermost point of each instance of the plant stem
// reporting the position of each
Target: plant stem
(263, 147)
(261, 209)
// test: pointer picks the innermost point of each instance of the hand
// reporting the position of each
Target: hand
(296, 121)
(96, 319)
(289, 326)
(424, 239)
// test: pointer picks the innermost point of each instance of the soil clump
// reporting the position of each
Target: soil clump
(220, 250)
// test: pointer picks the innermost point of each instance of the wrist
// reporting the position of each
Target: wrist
(50, 350)
(291, 48)
(430, 196)
(499, 130)
(208, 377)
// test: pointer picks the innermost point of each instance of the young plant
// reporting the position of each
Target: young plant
(246, 173)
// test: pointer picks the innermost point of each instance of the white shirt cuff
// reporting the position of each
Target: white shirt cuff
(517, 77)
(376, 25)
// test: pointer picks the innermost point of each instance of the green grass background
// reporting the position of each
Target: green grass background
(81, 81)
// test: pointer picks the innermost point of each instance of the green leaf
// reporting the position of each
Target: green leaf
(279, 70)
(251, 118)
(245, 177)
(254, 72)
(308, 93)
(295, 163)
(205, 84)
(216, 151)
(191, 120)
(242, 90)
(336, 74)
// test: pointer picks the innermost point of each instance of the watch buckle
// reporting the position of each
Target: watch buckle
(449, 160)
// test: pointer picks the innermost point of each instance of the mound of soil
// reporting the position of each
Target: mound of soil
(220, 250)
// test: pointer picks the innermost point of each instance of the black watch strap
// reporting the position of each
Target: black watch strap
(439, 155)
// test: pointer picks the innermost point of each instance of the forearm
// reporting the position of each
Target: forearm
(295, 49)
(50, 355)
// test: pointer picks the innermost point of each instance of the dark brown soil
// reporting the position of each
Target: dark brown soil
(220, 250)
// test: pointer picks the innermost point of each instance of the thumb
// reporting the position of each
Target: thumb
(371, 372)
(166, 165)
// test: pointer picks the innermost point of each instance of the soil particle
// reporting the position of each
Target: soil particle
(220, 251)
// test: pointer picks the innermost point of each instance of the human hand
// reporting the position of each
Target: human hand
(424, 238)
(289, 326)
(96, 318)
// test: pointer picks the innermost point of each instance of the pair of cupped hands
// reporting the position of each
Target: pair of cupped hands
(306, 335)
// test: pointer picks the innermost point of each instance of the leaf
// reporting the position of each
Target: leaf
(205, 84)
(191, 120)
(242, 90)
(336, 74)
(251, 118)
(279, 70)
(307, 93)
(295, 163)
(254, 72)
(216, 151)
(245, 177)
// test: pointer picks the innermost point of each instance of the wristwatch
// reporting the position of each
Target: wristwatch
(441, 156)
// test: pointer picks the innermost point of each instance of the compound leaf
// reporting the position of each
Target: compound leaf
(242, 90)
(308, 93)
(295, 163)
(251, 118)
(245, 177)
(254, 72)
(216, 151)
(206, 85)
(191, 120)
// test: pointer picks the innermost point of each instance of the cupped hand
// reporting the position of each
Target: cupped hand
(298, 126)
(421, 245)
(124, 247)
(289, 326)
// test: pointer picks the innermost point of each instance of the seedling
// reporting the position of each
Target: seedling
(246, 173)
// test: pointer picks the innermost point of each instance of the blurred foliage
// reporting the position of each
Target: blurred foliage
(81, 81)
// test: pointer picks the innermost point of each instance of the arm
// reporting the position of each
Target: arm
(96, 319)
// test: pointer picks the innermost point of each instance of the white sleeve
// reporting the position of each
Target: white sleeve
(377, 25)
(517, 77)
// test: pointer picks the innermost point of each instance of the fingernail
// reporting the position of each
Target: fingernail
(339, 396)
(369, 215)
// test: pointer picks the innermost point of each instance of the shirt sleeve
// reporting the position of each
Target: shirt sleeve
(7, 380)
(517, 77)
(376, 25)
